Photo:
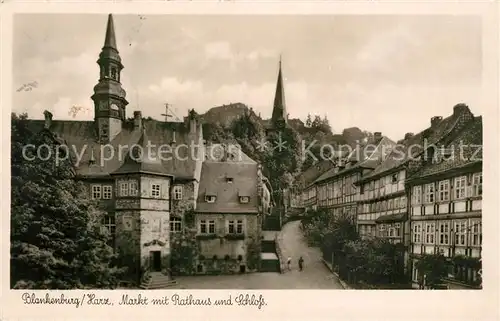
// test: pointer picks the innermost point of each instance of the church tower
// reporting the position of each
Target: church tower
(109, 96)
(279, 116)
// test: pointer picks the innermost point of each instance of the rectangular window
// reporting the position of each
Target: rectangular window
(397, 228)
(390, 204)
(429, 193)
(106, 192)
(239, 227)
(460, 187)
(402, 202)
(477, 184)
(460, 233)
(133, 190)
(96, 191)
(444, 230)
(394, 178)
(444, 190)
(417, 195)
(155, 190)
(230, 227)
(429, 230)
(177, 192)
(203, 227)
(476, 235)
(175, 224)
(110, 225)
(417, 230)
(124, 189)
(211, 227)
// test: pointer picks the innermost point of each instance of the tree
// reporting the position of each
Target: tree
(316, 123)
(434, 267)
(57, 241)
(253, 254)
(308, 121)
(184, 252)
(285, 157)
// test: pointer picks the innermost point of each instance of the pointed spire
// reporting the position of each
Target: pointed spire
(279, 107)
(110, 40)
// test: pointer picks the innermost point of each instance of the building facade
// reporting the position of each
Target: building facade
(146, 174)
(230, 207)
(336, 189)
(446, 203)
(383, 205)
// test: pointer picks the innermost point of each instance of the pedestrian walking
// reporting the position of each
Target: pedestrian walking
(301, 263)
(289, 263)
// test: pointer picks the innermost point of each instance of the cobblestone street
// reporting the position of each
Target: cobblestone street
(314, 276)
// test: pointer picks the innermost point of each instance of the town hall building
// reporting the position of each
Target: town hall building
(145, 191)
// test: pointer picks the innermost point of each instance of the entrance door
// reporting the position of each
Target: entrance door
(155, 260)
(242, 268)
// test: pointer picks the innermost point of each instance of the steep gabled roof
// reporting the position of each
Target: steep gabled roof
(414, 144)
(92, 159)
(466, 148)
(313, 172)
(141, 159)
(366, 159)
(226, 152)
(215, 182)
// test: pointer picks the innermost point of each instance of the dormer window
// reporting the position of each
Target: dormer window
(229, 180)
(210, 198)
(244, 199)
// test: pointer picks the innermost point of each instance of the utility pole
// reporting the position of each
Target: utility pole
(166, 114)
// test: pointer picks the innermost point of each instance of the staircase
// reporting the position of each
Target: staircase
(269, 259)
(157, 280)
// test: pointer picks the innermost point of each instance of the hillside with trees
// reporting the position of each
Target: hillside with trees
(239, 124)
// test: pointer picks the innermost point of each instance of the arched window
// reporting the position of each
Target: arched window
(113, 73)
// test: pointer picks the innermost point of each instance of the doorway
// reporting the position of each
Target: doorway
(242, 269)
(155, 260)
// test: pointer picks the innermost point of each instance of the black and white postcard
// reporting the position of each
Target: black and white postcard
(160, 149)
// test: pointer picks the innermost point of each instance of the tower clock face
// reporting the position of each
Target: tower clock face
(114, 107)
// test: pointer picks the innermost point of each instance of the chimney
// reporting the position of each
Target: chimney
(377, 136)
(192, 121)
(48, 119)
(408, 136)
(137, 119)
(435, 120)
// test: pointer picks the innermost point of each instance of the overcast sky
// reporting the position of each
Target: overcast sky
(379, 73)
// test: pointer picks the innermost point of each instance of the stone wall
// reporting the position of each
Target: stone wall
(188, 199)
(155, 236)
(222, 246)
(128, 241)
